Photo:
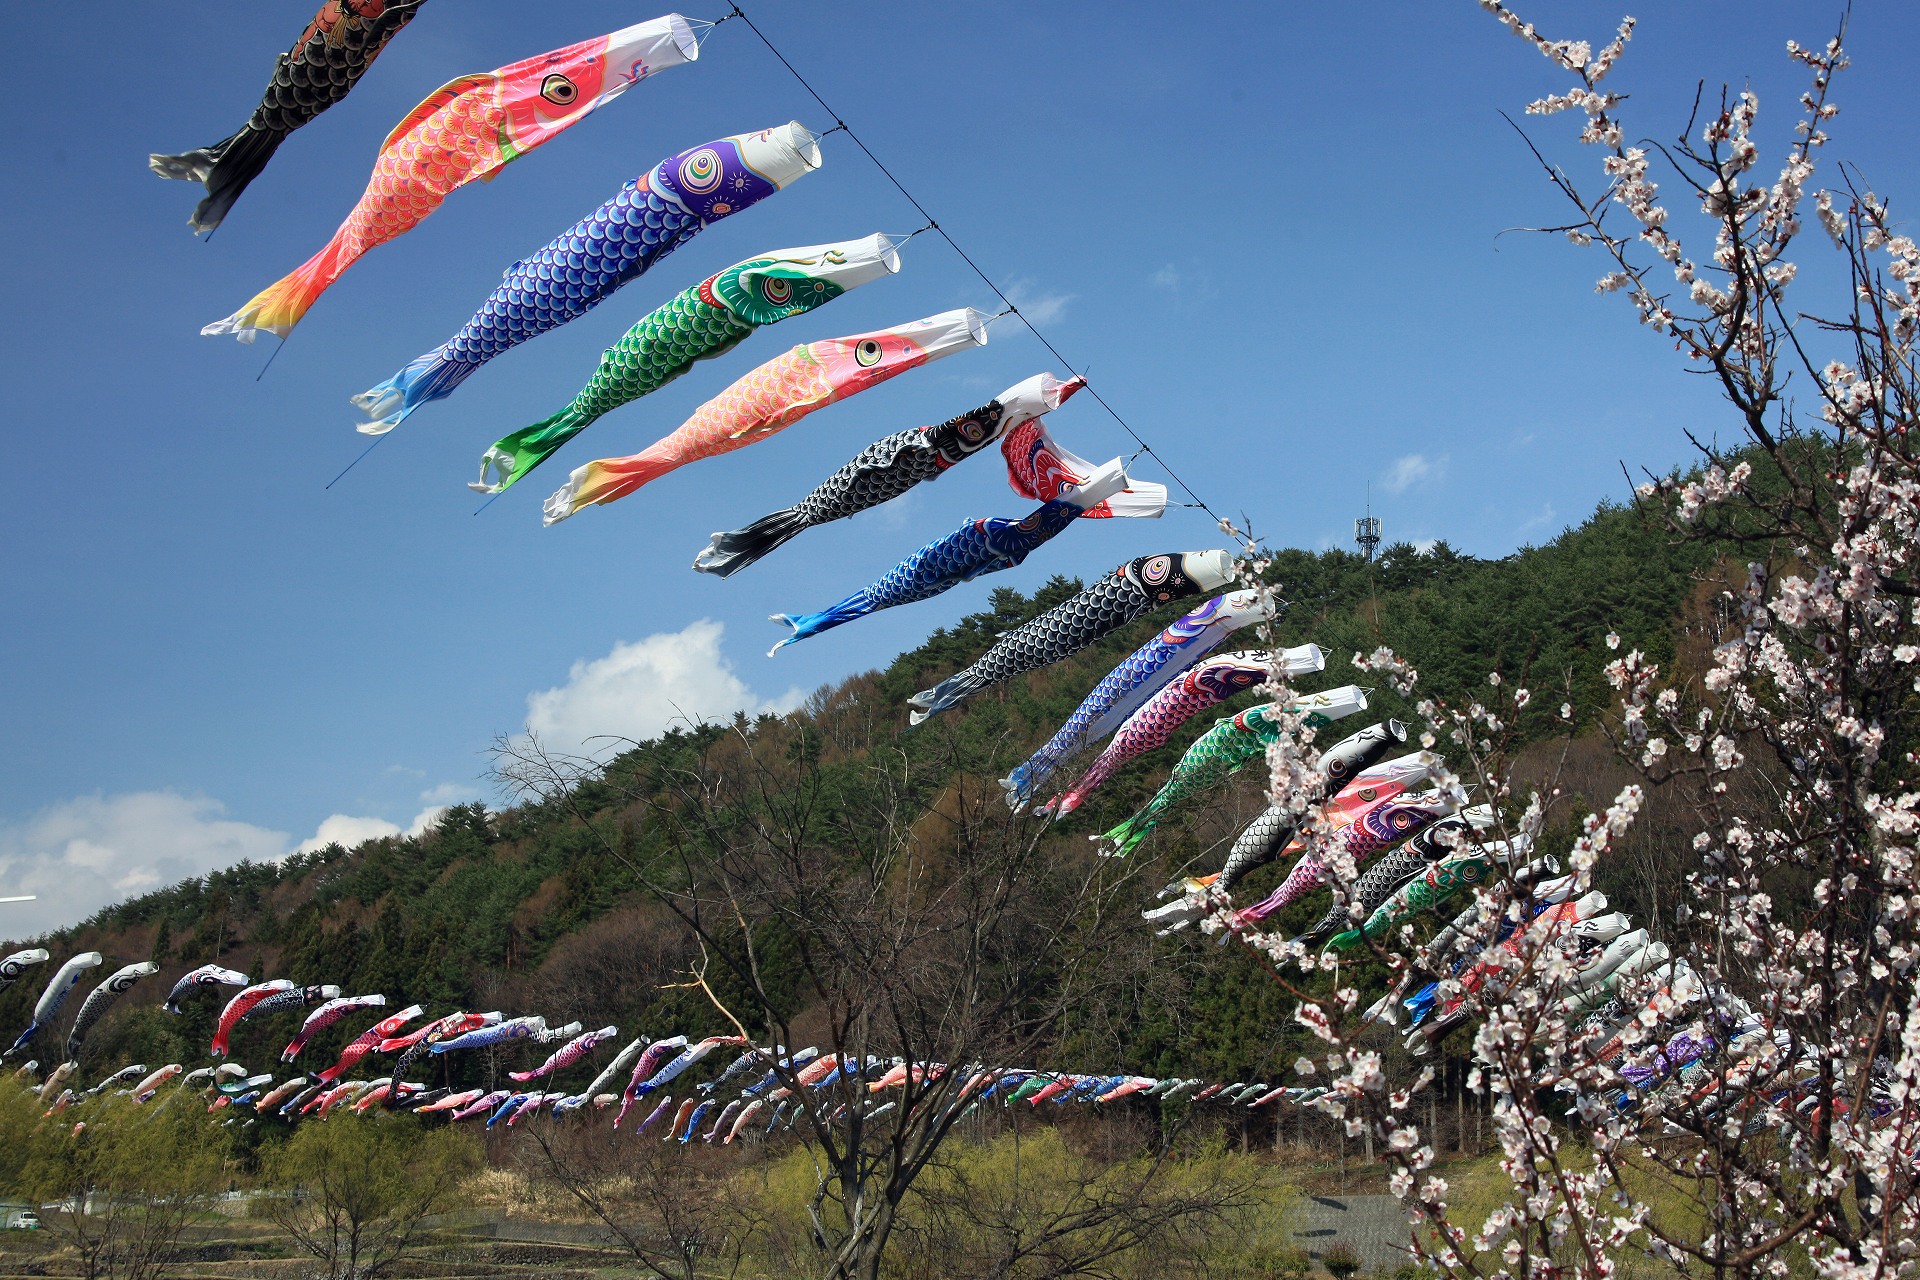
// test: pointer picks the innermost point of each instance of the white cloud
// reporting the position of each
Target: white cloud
(1036, 304)
(346, 830)
(92, 851)
(450, 793)
(640, 690)
(1425, 546)
(82, 854)
(1167, 277)
(1411, 470)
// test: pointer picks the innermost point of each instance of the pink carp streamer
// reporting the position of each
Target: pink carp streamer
(772, 398)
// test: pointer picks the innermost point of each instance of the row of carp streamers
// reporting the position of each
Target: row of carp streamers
(1425, 845)
(475, 124)
(1682, 1068)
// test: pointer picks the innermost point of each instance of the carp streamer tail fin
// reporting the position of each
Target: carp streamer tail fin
(728, 553)
(602, 480)
(954, 689)
(279, 307)
(225, 169)
(425, 379)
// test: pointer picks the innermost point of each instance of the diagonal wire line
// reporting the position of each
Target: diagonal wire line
(933, 224)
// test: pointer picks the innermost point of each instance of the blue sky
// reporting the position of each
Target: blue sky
(1269, 232)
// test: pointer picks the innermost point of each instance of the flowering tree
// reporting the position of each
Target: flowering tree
(1737, 1097)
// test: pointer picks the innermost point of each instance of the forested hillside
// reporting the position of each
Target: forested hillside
(538, 907)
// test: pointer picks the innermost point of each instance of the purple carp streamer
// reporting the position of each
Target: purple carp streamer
(886, 469)
(206, 977)
(1149, 668)
(1213, 681)
(336, 49)
(568, 1054)
(1395, 868)
(1126, 594)
(976, 548)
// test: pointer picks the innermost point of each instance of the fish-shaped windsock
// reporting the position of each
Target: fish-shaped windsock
(467, 129)
(1386, 821)
(328, 59)
(747, 1113)
(1461, 869)
(725, 1118)
(772, 398)
(125, 1075)
(293, 998)
(653, 1116)
(886, 469)
(206, 977)
(1379, 781)
(281, 1093)
(238, 1007)
(1039, 467)
(483, 1103)
(620, 1062)
(687, 1057)
(1212, 681)
(55, 995)
(1120, 597)
(617, 243)
(325, 1016)
(976, 548)
(1396, 867)
(486, 1036)
(145, 1090)
(368, 1042)
(1340, 766)
(451, 1101)
(1215, 755)
(682, 1118)
(1148, 669)
(15, 966)
(99, 998)
(705, 320)
(568, 1054)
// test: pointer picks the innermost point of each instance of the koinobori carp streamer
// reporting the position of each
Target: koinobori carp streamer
(467, 129)
(1111, 603)
(886, 469)
(1232, 742)
(205, 978)
(706, 320)
(772, 398)
(1212, 681)
(118, 984)
(976, 548)
(648, 218)
(1128, 686)
(328, 59)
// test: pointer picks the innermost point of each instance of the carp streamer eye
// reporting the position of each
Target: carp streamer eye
(867, 354)
(558, 90)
